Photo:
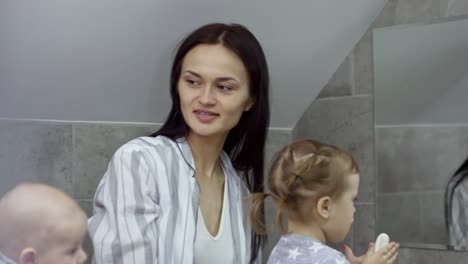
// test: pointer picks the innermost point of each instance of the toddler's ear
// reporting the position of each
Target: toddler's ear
(323, 207)
(28, 256)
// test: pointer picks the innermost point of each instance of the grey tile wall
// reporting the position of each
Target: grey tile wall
(347, 122)
(419, 11)
(363, 227)
(427, 256)
(418, 158)
(35, 151)
(361, 75)
(275, 141)
(399, 215)
(363, 65)
(340, 83)
(70, 156)
(456, 8)
(93, 147)
(433, 217)
(74, 157)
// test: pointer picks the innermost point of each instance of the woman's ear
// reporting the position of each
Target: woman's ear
(28, 256)
(250, 104)
(324, 207)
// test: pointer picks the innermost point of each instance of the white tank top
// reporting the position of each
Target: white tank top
(217, 249)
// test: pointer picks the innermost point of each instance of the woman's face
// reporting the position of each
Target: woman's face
(214, 90)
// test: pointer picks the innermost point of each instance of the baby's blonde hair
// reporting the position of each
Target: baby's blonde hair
(302, 170)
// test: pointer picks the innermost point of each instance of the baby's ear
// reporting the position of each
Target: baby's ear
(323, 207)
(28, 256)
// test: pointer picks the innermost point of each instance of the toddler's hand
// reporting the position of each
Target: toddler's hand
(386, 255)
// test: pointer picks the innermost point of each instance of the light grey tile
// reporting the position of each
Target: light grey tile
(418, 158)
(387, 15)
(273, 230)
(87, 206)
(276, 140)
(340, 83)
(399, 215)
(433, 217)
(88, 248)
(93, 147)
(363, 227)
(418, 11)
(463, 131)
(363, 65)
(455, 8)
(426, 256)
(346, 122)
(35, 151)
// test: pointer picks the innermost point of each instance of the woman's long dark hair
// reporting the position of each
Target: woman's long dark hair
(460, 174)
(245, 143)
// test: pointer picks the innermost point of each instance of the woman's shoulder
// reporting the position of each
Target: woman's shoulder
(146, 145)
(160, 143)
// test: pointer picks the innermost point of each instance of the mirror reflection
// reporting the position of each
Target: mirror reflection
(421, 128)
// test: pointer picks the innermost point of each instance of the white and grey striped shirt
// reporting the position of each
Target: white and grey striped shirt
(145, 207)
(5, 260)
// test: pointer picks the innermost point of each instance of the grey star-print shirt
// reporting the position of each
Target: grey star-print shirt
(299, 249)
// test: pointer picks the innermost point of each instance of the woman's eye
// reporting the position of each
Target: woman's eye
(192, 82)
(224, 88)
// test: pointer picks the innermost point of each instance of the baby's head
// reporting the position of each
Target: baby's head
(40, 224)
(312, 184)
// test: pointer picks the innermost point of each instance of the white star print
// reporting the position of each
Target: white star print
(294, 253)
(315, 247)
(340, 261)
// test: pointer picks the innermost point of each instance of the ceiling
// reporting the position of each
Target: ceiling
(109, 60)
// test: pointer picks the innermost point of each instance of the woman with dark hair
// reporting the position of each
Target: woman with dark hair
(180, 196)
(456, 199)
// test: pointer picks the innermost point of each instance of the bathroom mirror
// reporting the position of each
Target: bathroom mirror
(421, 133)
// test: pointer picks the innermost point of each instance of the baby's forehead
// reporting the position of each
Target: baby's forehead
(68, 229)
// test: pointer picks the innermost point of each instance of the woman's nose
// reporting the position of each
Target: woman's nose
(208, 95)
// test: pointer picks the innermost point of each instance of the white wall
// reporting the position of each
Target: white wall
(109, 60)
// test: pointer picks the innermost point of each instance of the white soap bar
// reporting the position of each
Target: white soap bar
(381, 241)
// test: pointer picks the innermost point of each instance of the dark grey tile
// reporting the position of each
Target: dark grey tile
(36, 151)
(87, 206)
(346, 122)
(399, 215)
(433, 217)
(273, 230)
(455, 8)
(363, 227)
(276, 140)
(418, 11)
(387, 15)
(93, 147)
(363, 65)
(426, 256)
(418, 158)
(340, 83)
